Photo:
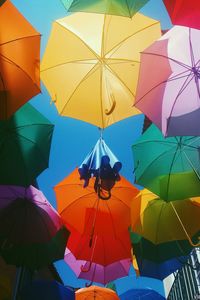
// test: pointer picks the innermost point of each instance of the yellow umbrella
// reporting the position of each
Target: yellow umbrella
(160, 221)
(91, 64)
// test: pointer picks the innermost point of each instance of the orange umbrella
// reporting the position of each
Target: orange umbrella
(19, 60)
(96, 293)
(73, 201)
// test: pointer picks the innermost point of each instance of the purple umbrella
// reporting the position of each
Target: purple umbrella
(26, 217)
(168, 91)
(96, 272)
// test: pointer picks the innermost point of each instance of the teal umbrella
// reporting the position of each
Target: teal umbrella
(25, 141)
(169, 167)
(126, 8)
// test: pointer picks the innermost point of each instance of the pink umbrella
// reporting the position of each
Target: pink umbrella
(168, 89)
(96, 272)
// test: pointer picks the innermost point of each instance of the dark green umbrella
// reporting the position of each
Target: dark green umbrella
(159, 252)
(169, 167)
(35, 256)
(25, 141)
(126, 8)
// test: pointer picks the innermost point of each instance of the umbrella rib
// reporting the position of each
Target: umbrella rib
(116, 75)
(191, 49)
(35, 145)
(170, 169)
(183, 87)
(18, 67)
(129, 12)
(82, 80)
(152, 162)
(31, 125)
(193, 168)
(101, 96)
(72, 203)
(112, 220)
(81, 61)
(21, 38)
(118, 199)
(125, 39)
(4, 91)
(163, 82)
(102, 37)
(169, 58)
(78, 37)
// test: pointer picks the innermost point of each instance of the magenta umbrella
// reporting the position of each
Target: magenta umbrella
(96, 272)
(168, 88)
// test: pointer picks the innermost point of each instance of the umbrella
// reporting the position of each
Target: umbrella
(73, 201)
(90, 66)
(160, 271)
(96, 272)
(96, 293)
(102, 164)
(170, 97)
(167, 166)
(137, 294)
(31, 232)
(101, 245)
(162, 221)
(46, 289)
(184, 12)
(19, 60)
(25, 141)
(159, 253)
(116, 7)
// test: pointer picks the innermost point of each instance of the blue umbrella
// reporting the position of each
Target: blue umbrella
(102, 164)
(144, 294)
(152, 269)
(46, 289)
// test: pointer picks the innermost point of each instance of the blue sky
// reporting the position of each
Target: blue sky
(73, 139)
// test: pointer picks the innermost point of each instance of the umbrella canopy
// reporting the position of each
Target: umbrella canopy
(137, 294)
(163, 221)
(29, 226)
(25, 141)
(111, 7)
(96, 244)
(96, 293)
(19, 60)
(159, 253)
(102, 164)
(167, 166)
(90, 66)
(170, 97)
(147, 268)
(46, 289)
(96, 272)
(184, 12)
(73, 201)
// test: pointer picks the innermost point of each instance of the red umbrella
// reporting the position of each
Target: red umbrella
(101, 249)
(184, 12)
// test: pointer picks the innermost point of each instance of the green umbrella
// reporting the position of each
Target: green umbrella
(37, 255)
(167, 166)
(126, 8)
(25, 141)
(159, 253)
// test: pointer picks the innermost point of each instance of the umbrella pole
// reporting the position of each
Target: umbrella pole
(187, 235)
(18, 281)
